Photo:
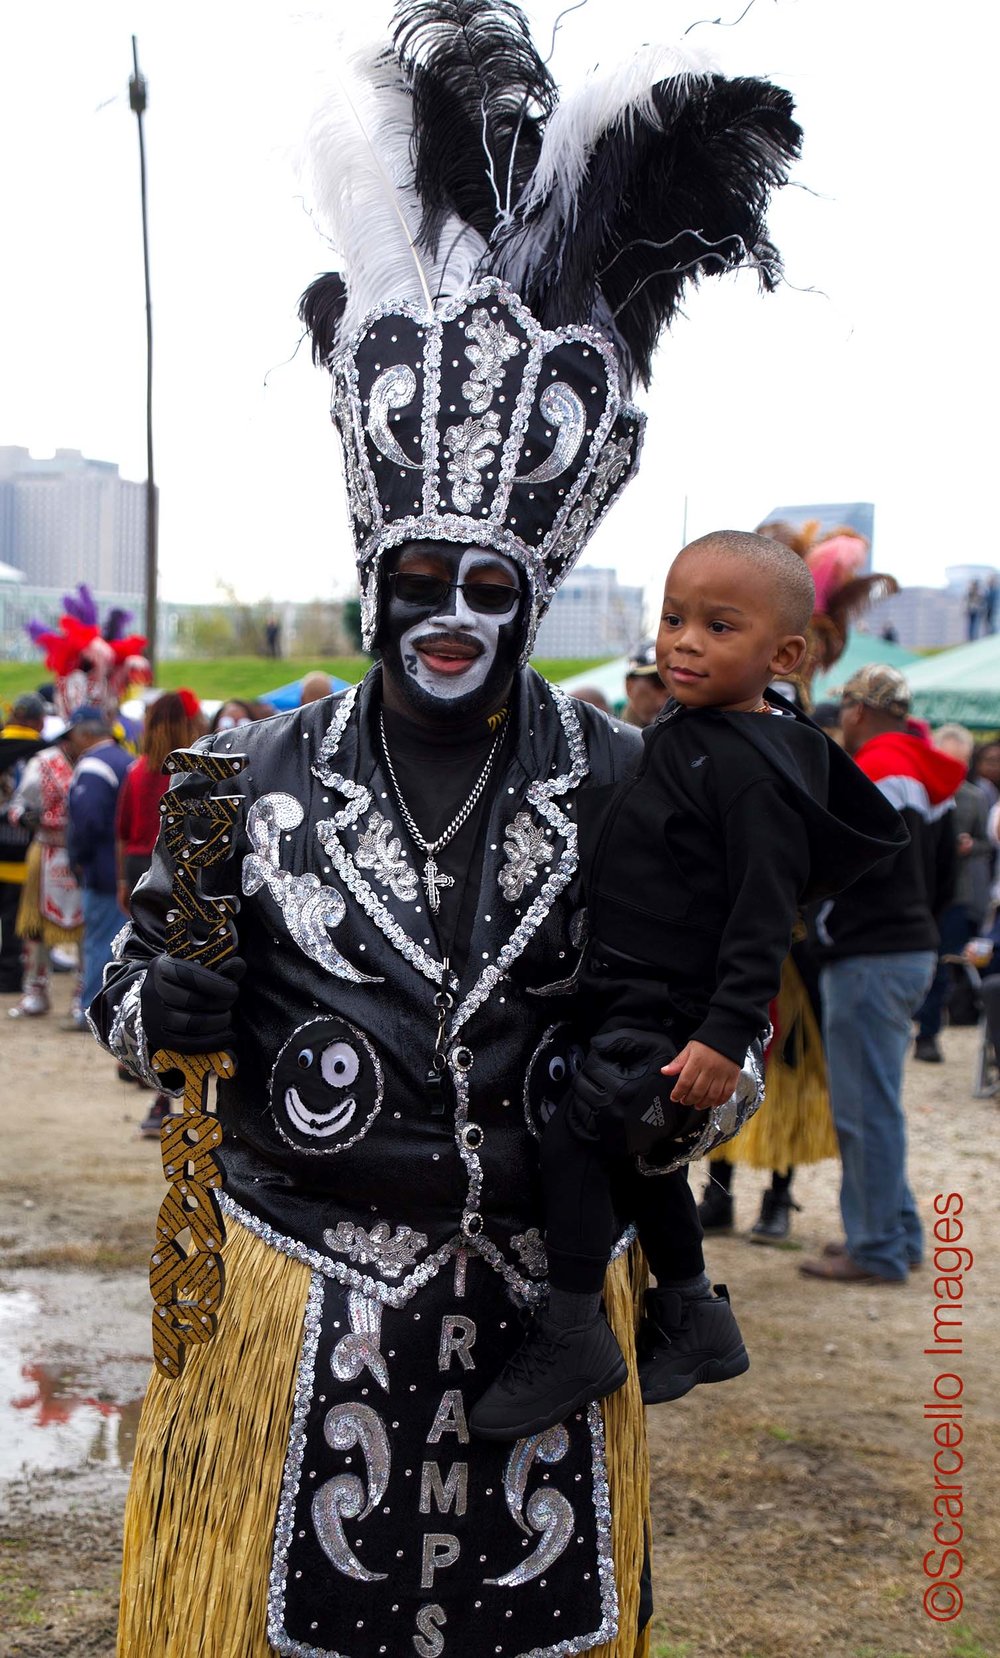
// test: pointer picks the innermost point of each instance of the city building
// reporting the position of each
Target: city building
(70, 519)
(591, 615)
(928, 618)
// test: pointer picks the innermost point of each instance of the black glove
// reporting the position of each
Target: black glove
(188, 1008)
(619, 1097)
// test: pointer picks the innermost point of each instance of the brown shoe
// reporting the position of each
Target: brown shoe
(841, 1269)
(836, 1250)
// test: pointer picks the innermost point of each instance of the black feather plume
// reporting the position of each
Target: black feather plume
(481, 95)
(662, 205)
(321, 309)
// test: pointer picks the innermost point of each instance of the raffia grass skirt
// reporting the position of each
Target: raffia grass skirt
(210, 1452)
(31, 923)
(794, 1125)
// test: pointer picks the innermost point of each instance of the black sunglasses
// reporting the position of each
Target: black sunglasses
(489, 598)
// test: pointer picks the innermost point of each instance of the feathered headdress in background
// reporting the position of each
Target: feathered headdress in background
(507, 263)
(843, 593)
(92, 665)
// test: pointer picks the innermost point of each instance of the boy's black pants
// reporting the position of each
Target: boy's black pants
(589, 1197)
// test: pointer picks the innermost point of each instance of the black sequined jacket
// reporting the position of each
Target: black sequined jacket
(330, 1148)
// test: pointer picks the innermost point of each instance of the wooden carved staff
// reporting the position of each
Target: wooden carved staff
(187, 1284)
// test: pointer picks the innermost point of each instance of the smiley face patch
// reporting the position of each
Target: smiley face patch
(326, 1087)
(553, 1065)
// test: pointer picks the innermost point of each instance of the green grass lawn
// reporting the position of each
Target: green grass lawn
(250, 676)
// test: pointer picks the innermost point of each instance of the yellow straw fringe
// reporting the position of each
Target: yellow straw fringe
(794, 1124)
(628, 1458)
(206, 1479)
(207, 1474)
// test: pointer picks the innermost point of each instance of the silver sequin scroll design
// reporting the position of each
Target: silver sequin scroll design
(379, 850)
(393, 389)
(526, 848)
(564, 410)
(547, 1511)
(360, 1348)
(346, 1497)
(310, 908)
(722, 1121)
(492, 346)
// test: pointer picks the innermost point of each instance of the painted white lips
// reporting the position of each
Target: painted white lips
(323, 1126)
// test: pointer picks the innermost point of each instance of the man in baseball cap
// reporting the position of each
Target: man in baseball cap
(879, 687)
(878, 943)
(644, 688)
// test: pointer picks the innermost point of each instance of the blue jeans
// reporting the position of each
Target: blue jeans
(868, 1008)
(956, 927)
(102, 920)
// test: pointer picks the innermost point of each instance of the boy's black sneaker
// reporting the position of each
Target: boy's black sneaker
(552, 1374)
(715, 1211)
(684, 1342)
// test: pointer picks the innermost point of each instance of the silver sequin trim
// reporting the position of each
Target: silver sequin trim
(542, 796)
(127, 1039)
(119, 942)
(276, 1632)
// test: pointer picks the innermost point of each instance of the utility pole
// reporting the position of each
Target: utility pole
(137, 103)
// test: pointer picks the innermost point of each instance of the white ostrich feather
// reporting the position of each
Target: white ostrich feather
(579, 120)
(356, 170)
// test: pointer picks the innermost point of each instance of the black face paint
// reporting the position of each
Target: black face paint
(452, 661)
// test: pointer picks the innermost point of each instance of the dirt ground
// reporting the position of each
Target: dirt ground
(792, 1508)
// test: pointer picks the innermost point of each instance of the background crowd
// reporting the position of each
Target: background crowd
(79, 815)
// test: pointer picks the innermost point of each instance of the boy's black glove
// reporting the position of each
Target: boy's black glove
(187, 1008)
(620, 1098)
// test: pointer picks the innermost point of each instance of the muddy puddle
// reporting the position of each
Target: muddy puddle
(74, 1361)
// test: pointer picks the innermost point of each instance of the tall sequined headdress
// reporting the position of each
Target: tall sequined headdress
(507, 264)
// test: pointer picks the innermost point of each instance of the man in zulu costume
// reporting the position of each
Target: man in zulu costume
(410, 916)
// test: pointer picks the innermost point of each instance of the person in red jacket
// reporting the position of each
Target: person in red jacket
(878, 942)
(172, 721)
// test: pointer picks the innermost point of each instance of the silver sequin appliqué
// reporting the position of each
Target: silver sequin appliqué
(310, 908)
(379, 850)
(526, 848)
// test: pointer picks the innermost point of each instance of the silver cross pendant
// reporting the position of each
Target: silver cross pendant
(435, 881)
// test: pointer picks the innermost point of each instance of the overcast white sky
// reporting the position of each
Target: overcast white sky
(880, 388)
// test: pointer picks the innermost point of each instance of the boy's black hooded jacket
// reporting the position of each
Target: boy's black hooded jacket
(696, 868)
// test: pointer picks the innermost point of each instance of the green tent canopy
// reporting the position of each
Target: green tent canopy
(962, 684)
(861, 648)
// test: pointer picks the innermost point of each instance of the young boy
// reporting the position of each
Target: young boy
(741, 810)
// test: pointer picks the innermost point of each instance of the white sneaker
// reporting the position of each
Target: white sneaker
(32, 1004)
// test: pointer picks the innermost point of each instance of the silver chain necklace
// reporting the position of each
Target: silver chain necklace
(434, 879)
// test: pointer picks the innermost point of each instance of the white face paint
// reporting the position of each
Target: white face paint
(467, 639)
